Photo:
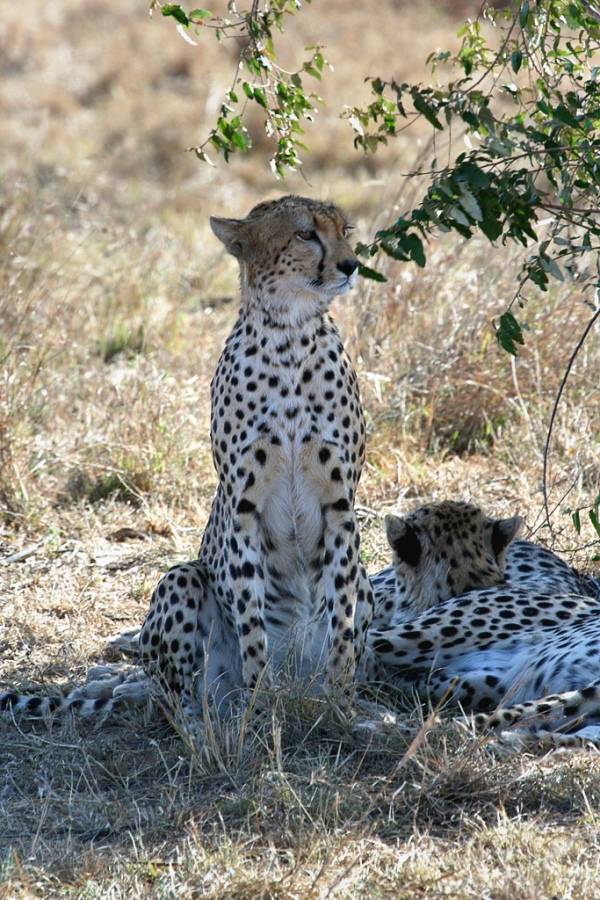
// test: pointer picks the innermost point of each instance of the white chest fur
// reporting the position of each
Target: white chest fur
(287, 392)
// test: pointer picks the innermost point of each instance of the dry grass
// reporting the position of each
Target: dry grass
(114, 302)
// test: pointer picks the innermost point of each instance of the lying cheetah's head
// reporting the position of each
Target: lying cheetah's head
(443, 549)
(293, 253)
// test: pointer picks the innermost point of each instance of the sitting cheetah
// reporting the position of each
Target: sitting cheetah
(278, 576)
(482, 618)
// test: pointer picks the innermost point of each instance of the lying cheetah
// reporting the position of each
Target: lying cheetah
(514, 621)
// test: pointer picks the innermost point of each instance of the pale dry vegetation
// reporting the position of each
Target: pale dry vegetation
(114, 303)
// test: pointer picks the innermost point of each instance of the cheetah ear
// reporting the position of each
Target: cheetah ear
(231, 233)
(403, 540)
(504, 531)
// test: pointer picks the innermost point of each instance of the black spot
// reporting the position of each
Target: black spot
(8, 701)
(341, 505)
(449, 630)
(408, 546)
(381, 645)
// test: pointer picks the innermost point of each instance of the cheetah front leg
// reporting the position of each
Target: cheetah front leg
(188, 643)
(260, 465)
(340, 587)
(337, 562)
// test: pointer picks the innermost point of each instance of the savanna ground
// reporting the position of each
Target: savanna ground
(114, 302)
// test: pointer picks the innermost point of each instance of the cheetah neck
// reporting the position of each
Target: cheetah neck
(285, 343)
(282, 311)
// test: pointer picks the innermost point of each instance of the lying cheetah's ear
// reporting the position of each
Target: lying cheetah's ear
(504, 531)
(230, 232)
(403, 539)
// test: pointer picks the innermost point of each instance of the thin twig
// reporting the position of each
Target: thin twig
(571, 209)
(561, 388)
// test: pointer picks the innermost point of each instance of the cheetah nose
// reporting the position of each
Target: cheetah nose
(348, 266)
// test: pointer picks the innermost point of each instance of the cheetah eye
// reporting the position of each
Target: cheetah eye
(347, 229)
(306, 235)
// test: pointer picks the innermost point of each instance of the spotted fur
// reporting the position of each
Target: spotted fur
(278, 575)
(542, 723)
(530, 627)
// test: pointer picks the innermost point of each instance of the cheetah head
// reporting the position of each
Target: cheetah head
(294, 255)
(443, 549)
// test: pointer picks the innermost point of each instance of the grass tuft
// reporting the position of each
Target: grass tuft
(121, 340)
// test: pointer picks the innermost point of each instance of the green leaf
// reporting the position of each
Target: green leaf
(414, 247)
(595, 521)
(425, 109)
(473, 174)
(471, 119)
(466, 57)
(524, 13)
(516, 58)
(470, 204)
(550, 266)
(260, 97)
(174, 10)
(457, 215)
(366, 272)
(491, 227)
(538, 276)
(248, 89)
(310, 70)
(576, 521)
(200, 14)
(566, 116)
(240, 139)
(509, 333)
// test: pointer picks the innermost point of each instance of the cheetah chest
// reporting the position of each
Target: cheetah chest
(293, 524)
(301, 423)
(293, 515)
